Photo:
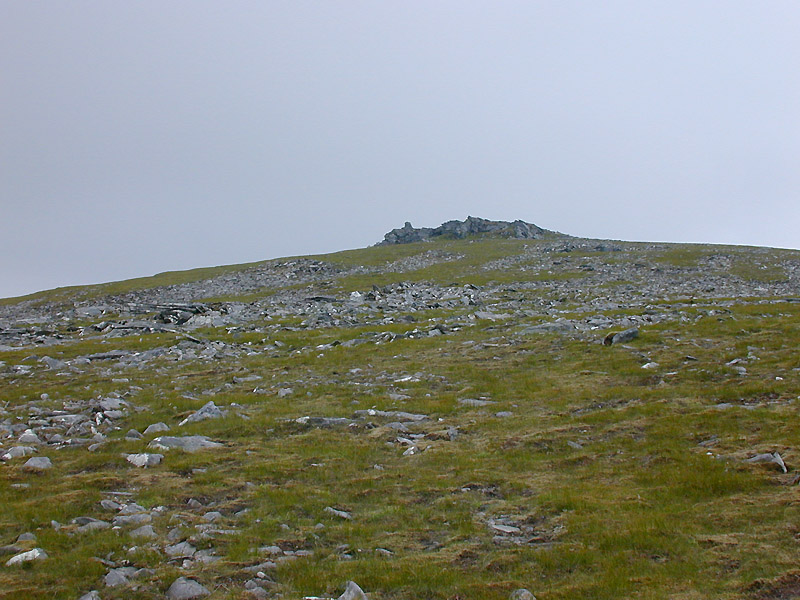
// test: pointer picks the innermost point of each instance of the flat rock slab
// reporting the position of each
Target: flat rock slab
(189, 443)
(391, 414)
(475, 402)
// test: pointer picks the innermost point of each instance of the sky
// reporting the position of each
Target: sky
(141, 137)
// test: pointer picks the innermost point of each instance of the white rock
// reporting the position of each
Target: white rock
(353, 592)
(144, 459)
(30, 555)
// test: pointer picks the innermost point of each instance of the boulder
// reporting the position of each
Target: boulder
(353, 592)
(38, 463)
(209, 411)
(189, 443)
(30, 555)
(186, 589)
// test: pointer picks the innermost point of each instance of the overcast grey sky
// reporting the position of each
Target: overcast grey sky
(139, 137)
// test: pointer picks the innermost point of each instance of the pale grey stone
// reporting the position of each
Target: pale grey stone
(338, 513)
(353, 592)
(189, 443)
(18, 452)
(30, 555)
(156, 428)
(38, 463)
(181, 550)
(521, 594)
(186, 589)
(146, 531)
(144, 460)
(208, 411)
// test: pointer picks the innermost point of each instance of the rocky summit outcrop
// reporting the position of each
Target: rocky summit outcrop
(461, 229)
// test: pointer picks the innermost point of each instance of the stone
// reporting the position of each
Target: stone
(146, 531)
(773, 457)
(53, 363)
(38, 463)
(622, 337)
(186, 589)
(338, 513)
(507, 529)
(189, 443)
(29, 437)
(26, 537)
(212, 516)
(521, 594)
(126, 520)
(18, 452)
(88, 524)
(208, 411)
(117, 577)
(93, 595)
(353, 592)
(475, 403)
(133, 435)
(181, 550)
(391, 414)
(30, 555)
(552, 327)
(156, 428)
(144, 460)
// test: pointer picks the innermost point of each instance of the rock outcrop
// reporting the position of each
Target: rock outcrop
(461, 229)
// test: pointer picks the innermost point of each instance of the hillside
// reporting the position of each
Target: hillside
(488, 409)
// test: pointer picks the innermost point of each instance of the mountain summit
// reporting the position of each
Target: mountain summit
(461, 229)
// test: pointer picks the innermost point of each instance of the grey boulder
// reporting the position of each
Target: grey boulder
(186, 589)
(38, 463)
(209, 411)
(353, 592)
(189, 443)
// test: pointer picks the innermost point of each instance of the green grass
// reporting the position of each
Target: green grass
(600, 464)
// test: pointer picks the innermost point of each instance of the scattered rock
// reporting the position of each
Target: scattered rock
(353, 592)
(117, 577)
(146, 531)
(18, 452)
(473, 402)
(181, 550)
(338, 513)
(38, 463)
(521, 594)
(209, 411)
(189, 443)
(30, 555)
(186, 589)
(773, 457)
(144, 460)
(156, 428)
(622, 337)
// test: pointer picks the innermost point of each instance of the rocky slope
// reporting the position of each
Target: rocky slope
(491, 409)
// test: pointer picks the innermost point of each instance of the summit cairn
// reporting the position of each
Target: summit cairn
(461, 229)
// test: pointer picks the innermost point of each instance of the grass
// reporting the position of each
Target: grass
(603, 466)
